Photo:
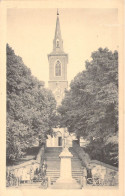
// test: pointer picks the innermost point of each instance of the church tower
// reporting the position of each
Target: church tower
(58, 60)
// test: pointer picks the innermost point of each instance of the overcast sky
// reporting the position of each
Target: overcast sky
(30, 32)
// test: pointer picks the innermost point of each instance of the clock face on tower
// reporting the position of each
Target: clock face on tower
(58, 68)
(58, 93)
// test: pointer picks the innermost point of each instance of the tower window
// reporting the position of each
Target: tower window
(57, 43)
(58, 68)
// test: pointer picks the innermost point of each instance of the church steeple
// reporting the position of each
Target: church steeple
(58, 60)
(57, 42)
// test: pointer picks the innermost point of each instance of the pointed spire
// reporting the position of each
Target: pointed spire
(57, 30)
(58, 42)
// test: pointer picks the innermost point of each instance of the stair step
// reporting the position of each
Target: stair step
(54, 178)
(76, 174)
(53, 175)
(52, 158)
(30, 184)
(52, 170)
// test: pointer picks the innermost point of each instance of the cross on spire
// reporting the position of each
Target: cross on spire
(57, 12)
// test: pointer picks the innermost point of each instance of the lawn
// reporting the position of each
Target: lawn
(30, 154)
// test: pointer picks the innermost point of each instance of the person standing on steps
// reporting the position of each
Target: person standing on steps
(44, 182)
(84, 177)
(44, 168)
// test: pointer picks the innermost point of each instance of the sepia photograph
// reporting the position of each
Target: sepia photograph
(62, 98)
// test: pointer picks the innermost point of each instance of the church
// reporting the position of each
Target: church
(58, 83)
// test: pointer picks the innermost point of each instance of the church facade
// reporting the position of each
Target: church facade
(58, 83)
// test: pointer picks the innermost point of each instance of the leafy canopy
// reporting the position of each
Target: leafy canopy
(31, 109)
(90, 107)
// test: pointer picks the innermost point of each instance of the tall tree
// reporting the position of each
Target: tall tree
(90, 107)
(31, 109)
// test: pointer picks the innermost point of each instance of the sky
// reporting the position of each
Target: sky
(30, 32)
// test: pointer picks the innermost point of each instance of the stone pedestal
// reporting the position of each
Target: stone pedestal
(66, 181)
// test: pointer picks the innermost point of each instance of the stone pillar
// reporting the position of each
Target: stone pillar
(65, 166)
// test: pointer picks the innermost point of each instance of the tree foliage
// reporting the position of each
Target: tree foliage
(31, 109)
(90, 107)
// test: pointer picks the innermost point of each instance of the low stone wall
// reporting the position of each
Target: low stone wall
(21, 173)
(24, 171)
(105, 172)
(99, 170)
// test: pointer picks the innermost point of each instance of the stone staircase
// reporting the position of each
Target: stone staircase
(53, 164)
(76, 166)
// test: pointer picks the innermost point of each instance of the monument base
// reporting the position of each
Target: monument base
(66, 184)
(68, 180)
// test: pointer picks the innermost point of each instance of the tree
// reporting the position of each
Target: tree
(31, 109)
(90, 107)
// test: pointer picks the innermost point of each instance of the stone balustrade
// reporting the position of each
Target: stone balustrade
(24, 172)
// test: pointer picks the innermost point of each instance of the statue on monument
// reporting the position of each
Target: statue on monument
(66, 134)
